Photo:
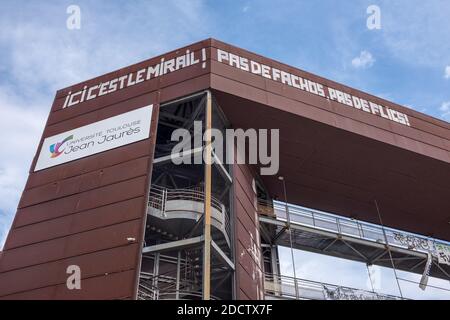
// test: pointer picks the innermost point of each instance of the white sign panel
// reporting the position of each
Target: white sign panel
(97, 137)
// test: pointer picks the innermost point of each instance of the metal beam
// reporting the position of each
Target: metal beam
(178, 156)
(222, 169)
(221, 255)
(442, 270)
(417, 265)
(279, 234)
(264, 234)
(378, 257)
(329, 245)
(177, 294)
(357, 252)
(196, 225)
(174, 245)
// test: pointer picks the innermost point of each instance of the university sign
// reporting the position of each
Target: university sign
(97, 137)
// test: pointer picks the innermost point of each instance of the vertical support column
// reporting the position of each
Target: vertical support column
(177, 295)
(207, 206)
(156, 276)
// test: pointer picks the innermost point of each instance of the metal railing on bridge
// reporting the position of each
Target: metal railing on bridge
(351, 227)
(284, 287)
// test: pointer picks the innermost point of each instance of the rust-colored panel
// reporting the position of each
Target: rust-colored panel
(249, 277)
(247, 239)
(54, 273)
(185, 88)
(70, 246)
(81, 201)
(242, 296)
(244, 202)
(75, 223)
(110, 286)
(89, 181)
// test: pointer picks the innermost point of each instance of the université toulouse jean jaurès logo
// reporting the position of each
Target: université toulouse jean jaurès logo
(55, 148)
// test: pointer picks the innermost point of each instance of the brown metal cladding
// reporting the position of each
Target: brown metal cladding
(53, 273)
(117, 285)
(249, 276)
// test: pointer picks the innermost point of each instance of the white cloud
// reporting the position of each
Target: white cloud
(22, 124)
(445, 110)
(364, 60)
(245, 8)
(447, 72)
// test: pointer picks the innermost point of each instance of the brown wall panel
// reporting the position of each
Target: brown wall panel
(110, 286)
(249, 276)
(85, 182)
(75, 223)
(70, 246)
(82, 201)
(54, 273)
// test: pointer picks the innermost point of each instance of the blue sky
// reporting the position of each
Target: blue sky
(405, 61)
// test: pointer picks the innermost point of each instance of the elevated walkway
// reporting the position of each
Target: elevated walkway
(329, 234)
(283, 287)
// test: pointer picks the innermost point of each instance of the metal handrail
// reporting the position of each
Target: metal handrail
(194, 194)
(283, 286)
(151, 292)
(347, 226)
(159, 196)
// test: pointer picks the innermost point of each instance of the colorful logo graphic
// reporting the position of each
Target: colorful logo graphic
(54, 148)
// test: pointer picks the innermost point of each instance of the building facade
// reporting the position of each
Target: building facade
(106, 193)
